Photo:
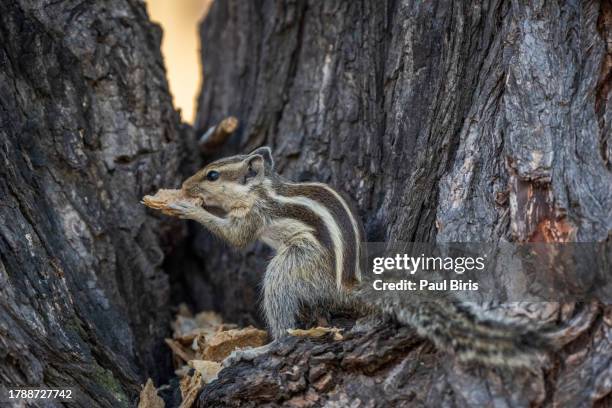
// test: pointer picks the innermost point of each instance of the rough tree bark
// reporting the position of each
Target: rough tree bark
(87, 127)
(445, 121)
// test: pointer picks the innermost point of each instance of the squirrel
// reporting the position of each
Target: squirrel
(318, 240)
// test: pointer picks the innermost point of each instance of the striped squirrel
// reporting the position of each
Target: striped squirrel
(319, 259)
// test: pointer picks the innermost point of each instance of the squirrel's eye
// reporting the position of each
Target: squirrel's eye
(212, 175)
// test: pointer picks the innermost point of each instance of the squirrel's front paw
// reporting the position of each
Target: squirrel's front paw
(183, 209)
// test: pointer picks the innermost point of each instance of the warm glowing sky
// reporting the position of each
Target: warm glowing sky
(179, 20)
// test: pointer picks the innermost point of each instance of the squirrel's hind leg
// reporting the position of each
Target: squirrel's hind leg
(291, 285)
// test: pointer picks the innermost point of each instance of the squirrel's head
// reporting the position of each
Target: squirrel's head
(228, 183)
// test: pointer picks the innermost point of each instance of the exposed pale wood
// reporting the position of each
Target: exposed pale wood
(216, 135)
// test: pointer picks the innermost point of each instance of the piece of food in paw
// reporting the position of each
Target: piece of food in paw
(165, 197)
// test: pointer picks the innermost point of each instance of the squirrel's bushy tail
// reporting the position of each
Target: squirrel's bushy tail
(455, 328)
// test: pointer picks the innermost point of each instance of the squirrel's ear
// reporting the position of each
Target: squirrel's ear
(266, 153)
(256, 168)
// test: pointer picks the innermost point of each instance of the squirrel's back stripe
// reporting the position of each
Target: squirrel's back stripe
(348, 270)
(331, 225)
(356, 227)
(307, 217)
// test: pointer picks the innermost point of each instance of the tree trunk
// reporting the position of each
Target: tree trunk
(444, 121)
(87, 128)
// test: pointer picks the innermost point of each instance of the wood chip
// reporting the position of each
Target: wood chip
(223, 343)
(317, 332)
(208, 369)
(208, 319)
(180, 351)
(182, 371)
(149, 397)
(190, 387)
